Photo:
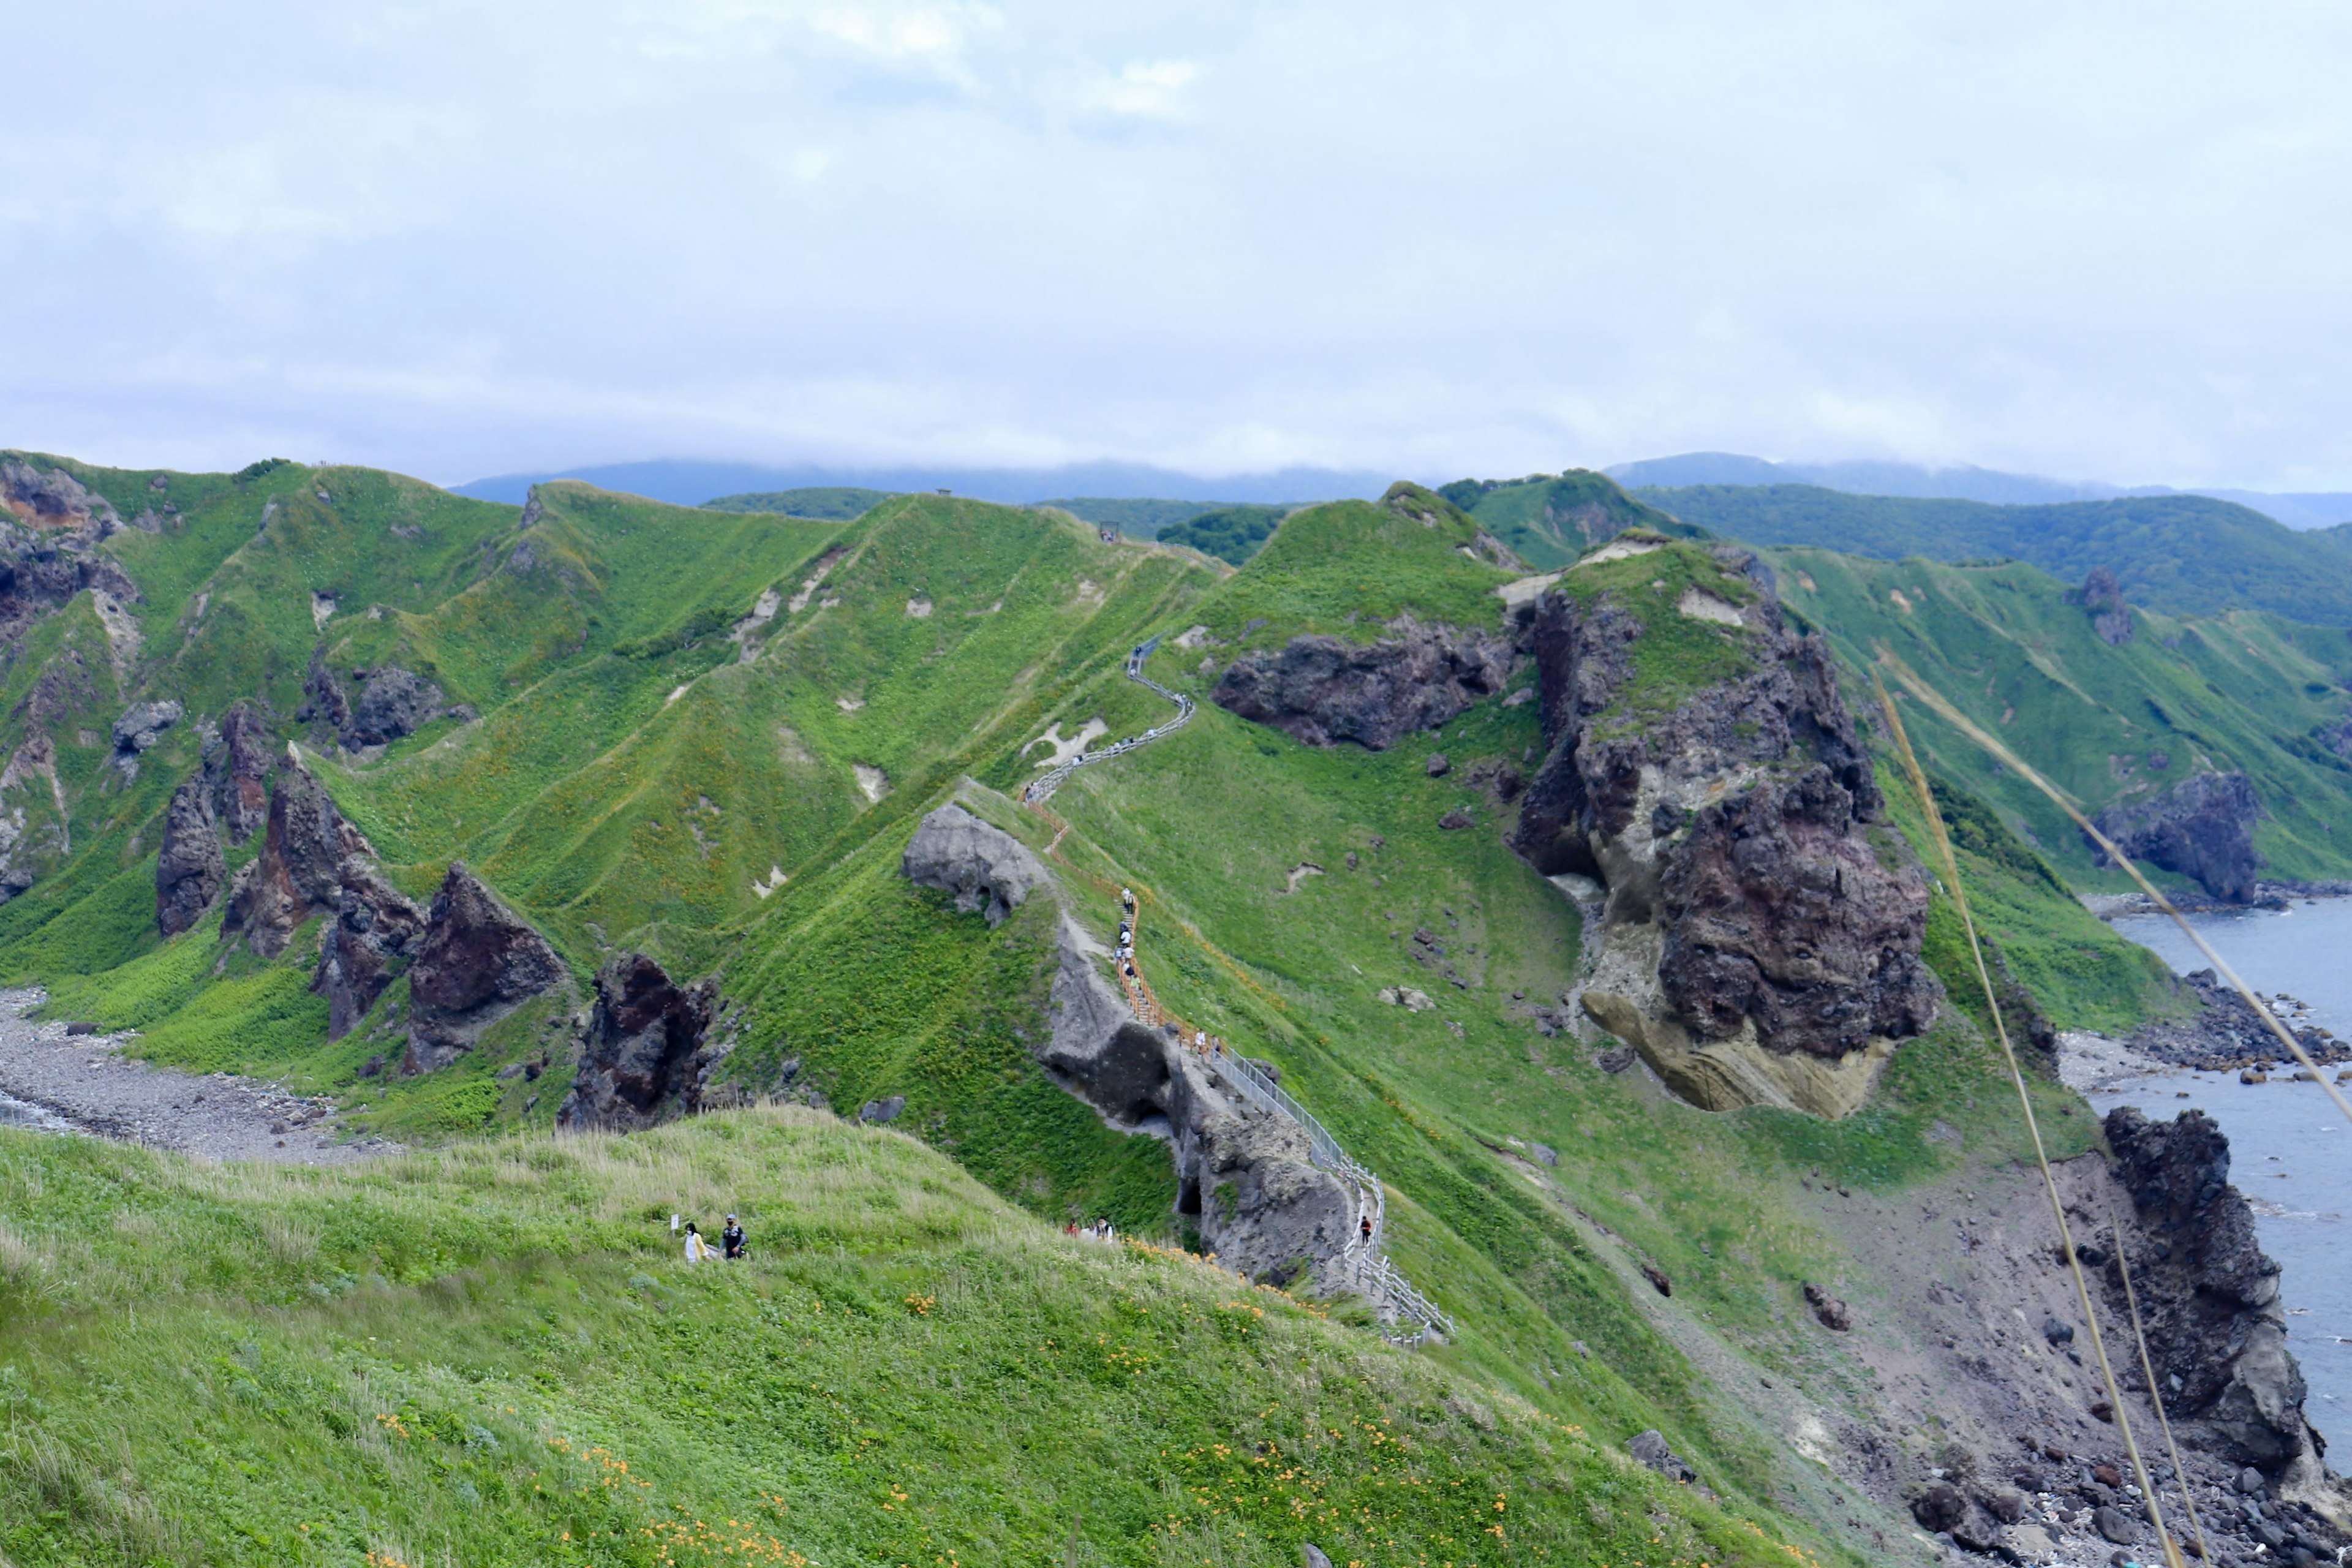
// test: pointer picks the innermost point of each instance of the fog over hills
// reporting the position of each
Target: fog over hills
(685, 482)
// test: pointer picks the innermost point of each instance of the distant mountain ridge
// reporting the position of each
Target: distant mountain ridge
(692, 482)
(2300, 509)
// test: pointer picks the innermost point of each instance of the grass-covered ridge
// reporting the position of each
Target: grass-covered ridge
(494, 1355)
(2181, 554)
(1550, 519)
(2245, 690)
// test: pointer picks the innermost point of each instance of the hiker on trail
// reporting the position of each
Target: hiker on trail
(730, 1240)
(1368, 1230)
(697, 1250)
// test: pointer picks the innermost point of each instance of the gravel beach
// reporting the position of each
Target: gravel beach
(85, 1082)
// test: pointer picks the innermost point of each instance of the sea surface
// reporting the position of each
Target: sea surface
(2290, 1148)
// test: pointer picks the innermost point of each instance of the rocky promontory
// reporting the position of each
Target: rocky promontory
(2202, 827)
(1245, 1176)
(650, 1054)
(1761, 935)
(478, 962)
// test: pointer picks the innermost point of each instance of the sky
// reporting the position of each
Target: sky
(2097, 241)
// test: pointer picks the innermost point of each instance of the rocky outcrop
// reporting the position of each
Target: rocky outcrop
(237, 765)
(377, 929)
(299, 872)
(2202, 827)
(477, 961)
(191, 868)
(142, 725)
(989, 871)
(323, 699)
(1758, 946)
(1322, 690)
(2101, 598)
(650, 1054)
(50, 526)
(1245, 1175)
(2208, 1295)
(392, 703)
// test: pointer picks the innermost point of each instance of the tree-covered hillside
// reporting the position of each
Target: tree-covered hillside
(2181, 554)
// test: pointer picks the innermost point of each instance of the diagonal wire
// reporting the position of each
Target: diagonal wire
(2025, 1101)
(2155, 1395)
(1975, 732)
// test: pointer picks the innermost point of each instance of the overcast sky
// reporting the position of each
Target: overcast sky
(2096, 242)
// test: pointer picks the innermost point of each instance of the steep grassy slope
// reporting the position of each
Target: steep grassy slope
(656, 765)
(2242, 691)
(1549, 520)
(493, 1356)
(2182, 554)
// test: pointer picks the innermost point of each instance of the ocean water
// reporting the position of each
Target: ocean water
(15, 1113)
(2290, 1149)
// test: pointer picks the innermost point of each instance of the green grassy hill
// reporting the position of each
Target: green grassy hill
(2181, 554)
(1232, 533)
(826, 503)
(709, 735)
(495, 1355)
(2245, 690)
(1549, 520)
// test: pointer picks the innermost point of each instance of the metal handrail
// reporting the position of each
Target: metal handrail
(1376, 1275)
(1040, 789)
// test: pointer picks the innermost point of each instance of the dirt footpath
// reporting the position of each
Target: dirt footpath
(84, 1083)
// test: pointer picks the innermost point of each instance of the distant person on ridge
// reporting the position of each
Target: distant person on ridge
(730, 1240)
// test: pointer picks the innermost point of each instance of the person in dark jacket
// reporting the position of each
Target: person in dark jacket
(730, 1240)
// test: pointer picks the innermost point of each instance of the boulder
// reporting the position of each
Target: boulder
(649, 1054)
(1940, 1506)
(191, 869)
(392, 703)
(1828, 1311)
(882, 1111)
(143, 725)
(299, 872)
(477, 961)
(2202, 827)
(988, 869)
(1649, 1448)
(2115, 1525)
(377, 929)
(237, 765)
(1322, 690)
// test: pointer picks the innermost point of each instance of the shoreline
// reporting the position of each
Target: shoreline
(84, 1083)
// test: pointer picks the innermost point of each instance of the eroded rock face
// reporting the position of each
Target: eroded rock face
(988, 871)
(1757, 946)
(142, 725)
(323, 699)
(377, 927)
(2202, 826)
(191, 869)
(650, 1054)
(2101, 598)
(238, 767)
(392, 703)
(1245, 1176)
(50, 526)
(477, 961)
(2208, 1295)
(299, 872)
(1322, 690)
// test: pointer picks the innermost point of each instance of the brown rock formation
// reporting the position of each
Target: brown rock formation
(191, 868)
(1322, 690)
(238, 764)
(298, 873)
(1757, 948)
(2209, 1296)
(376, 929)
(478, 961)
(2101, 598)
(648, 1056)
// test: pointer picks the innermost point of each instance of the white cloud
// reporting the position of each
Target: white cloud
(1480, 238)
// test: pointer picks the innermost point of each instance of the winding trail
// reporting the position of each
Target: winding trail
(1414, 1317)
